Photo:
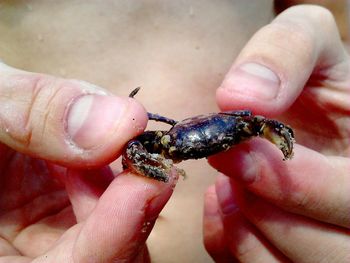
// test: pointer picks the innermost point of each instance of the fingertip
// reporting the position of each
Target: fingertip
(157, 203)
(254, 163)
(275, 65)
(148, 194)
(105, 126)
(230, 100)
(238, 162)
(250, 85)
(91, 118)
(123, 218)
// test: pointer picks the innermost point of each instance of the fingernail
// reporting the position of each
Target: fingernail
(254, 80)
(92, 118)
(155, 206)
(157, 203)
(225, 195)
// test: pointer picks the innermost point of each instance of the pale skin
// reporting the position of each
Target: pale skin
(100, 215)
(298, 210)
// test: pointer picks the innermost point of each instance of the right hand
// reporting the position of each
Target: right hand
(59, 202)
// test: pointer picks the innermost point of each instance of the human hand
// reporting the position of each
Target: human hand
(268, 210)
(51, 213)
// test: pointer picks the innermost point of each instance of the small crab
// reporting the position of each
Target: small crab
(153, 153)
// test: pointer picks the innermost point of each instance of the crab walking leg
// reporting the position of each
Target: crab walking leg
(156, 117)
(240, 113)
(153, 116)
(138, 160)
(134, 92)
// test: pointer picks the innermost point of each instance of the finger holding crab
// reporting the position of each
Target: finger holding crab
(296, 210)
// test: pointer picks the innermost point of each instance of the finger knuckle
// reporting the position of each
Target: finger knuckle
(319, 13)
(45, 109)
(34, 97)
(324, 20)
(316, 21)
(313, 13)
(17, 101)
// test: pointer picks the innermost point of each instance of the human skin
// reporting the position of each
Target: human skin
(175, 49)
(267, 209)
(59, 201)
(106, 44)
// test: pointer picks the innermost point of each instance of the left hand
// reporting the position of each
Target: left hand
(269, 210)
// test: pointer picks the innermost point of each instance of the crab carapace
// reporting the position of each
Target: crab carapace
(153, 153)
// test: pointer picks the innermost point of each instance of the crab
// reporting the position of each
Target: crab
(154, 153)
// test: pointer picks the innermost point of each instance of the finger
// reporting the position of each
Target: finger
(121, 221)
(299, 238)
(213, 229)
(67, 121)
(310, 184)
(245, 242)
(339, 8)
(85, 187)
(15, 259)
(273, 68)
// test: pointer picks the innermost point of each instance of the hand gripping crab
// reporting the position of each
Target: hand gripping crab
(153, 153)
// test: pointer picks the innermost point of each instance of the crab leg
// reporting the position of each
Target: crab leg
(153, 116)
(156, 117)
(138, 160)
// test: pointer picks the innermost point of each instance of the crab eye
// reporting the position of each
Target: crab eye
(291, 132)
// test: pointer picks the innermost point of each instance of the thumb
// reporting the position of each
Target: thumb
(271, 71)
(69, 122)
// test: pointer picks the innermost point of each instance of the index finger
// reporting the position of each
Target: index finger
(311, 184)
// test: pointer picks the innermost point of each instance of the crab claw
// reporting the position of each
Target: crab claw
(280, 135)
(138, 160)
